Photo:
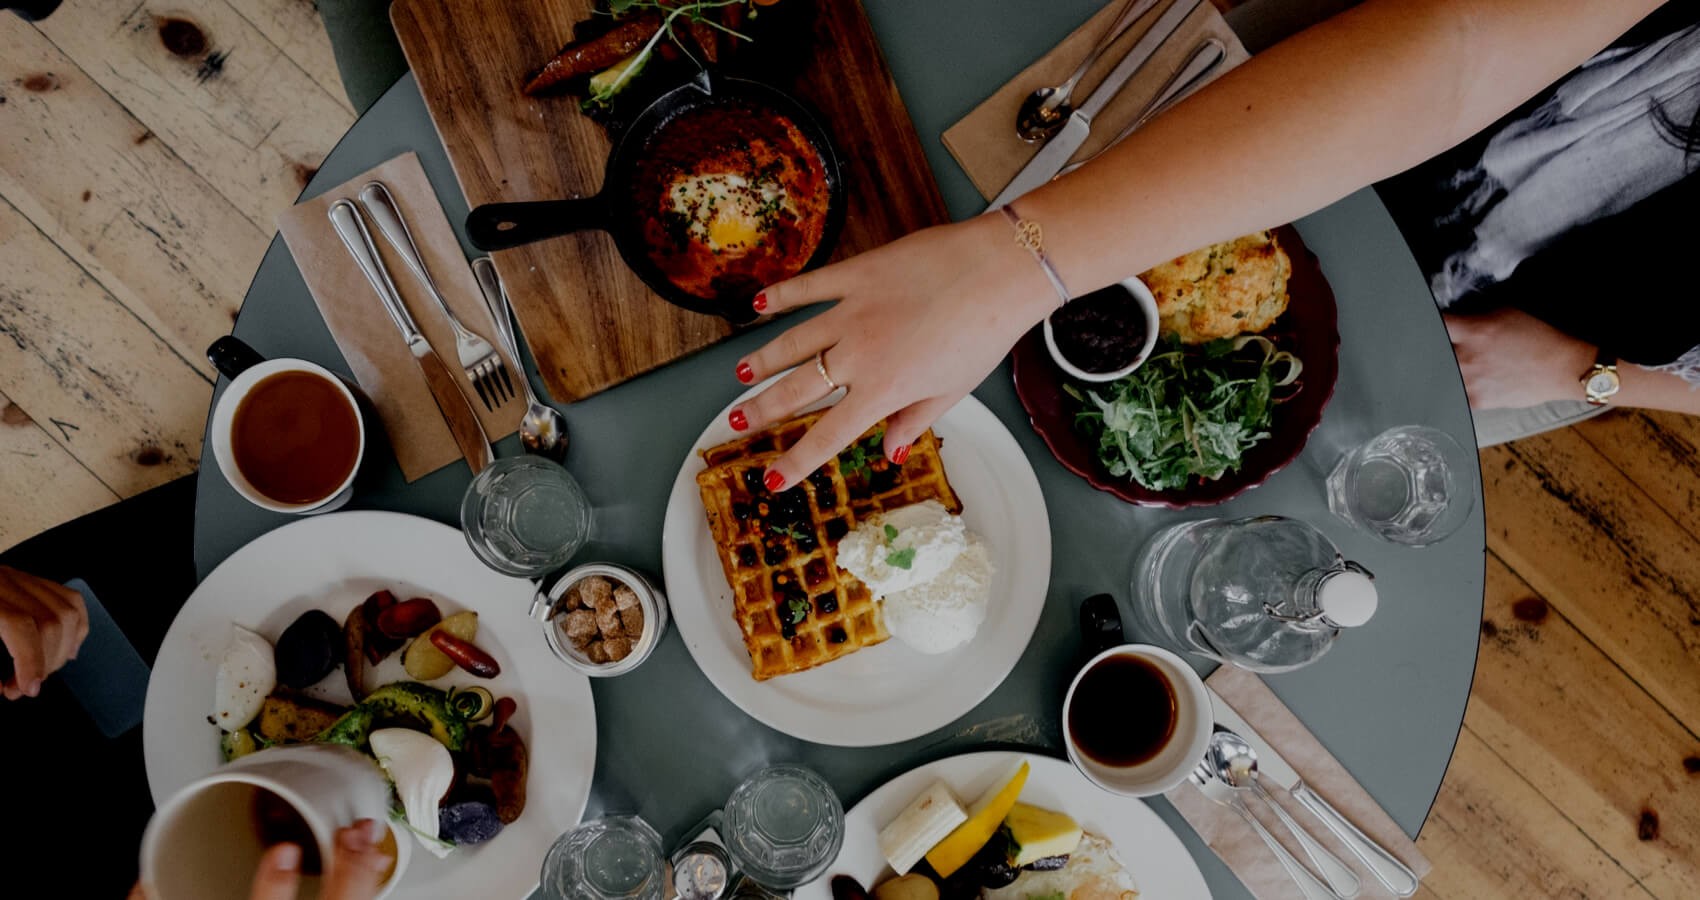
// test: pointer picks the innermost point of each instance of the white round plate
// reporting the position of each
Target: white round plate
(333, 562)
(886, 693)
(1146, 846)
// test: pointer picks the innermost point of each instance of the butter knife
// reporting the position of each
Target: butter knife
(1059, 149)
(1393, 874)
(451, 399)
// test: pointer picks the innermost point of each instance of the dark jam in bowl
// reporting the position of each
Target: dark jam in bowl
(1102, 331)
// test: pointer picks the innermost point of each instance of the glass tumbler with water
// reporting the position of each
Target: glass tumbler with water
(784, 826)
(525, 516)
(1410, 485)
(613, 858)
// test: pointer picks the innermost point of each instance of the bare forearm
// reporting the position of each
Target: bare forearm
(1355, 99)
(1649, 389)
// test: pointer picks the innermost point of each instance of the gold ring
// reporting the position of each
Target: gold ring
(820, 366)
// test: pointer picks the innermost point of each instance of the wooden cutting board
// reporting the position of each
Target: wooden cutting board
(590, 322)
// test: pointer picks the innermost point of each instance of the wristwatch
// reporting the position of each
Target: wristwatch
(1600, 383)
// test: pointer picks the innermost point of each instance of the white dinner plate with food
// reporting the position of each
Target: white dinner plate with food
(888, 692)
(1143, 848)
(333, 563)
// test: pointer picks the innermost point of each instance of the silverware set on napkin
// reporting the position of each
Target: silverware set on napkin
(1236, 767)
(543, 430)
(1065, 131)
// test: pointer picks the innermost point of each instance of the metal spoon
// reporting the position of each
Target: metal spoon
(1235, 762)
(1045, 110)
(1201, 63)
(543, 431)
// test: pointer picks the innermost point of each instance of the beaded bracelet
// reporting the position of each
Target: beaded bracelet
(1031, 237)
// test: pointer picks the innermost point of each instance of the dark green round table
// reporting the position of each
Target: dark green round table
(1388, 701)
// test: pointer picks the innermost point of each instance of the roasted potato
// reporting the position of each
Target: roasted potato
(291, 719)
(907, 887)
(424, 662)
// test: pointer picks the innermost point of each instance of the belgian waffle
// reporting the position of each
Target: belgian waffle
(795, 607)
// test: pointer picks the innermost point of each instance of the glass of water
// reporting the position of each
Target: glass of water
(525, 516)
(1410, 485)
(783, 826)
(612, 858)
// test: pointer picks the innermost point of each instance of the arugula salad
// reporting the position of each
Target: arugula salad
(1190, 412)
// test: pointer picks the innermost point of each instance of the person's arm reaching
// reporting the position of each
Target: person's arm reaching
(1355, 99)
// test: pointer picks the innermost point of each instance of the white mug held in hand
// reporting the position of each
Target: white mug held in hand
(287, 434)
(206, 841)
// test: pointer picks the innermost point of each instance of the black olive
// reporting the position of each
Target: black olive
(991, 866)
(308, 649)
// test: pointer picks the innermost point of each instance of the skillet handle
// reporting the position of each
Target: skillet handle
(501, 226)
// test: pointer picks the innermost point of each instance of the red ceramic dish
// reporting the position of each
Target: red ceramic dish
(1310, 329)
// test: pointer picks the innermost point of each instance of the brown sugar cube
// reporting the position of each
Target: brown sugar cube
(597, 653)
(593, 590)
(608, 618)
(580, 627)
(626, 598)
(617, 648)
(632, 621)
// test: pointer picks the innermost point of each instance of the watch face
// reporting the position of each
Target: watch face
(1603, 384)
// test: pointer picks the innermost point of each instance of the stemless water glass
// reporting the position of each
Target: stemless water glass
(612, 858)
(525, 516)
(1410, 485)
(784, 826)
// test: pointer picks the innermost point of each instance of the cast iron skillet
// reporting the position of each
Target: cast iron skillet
(499, 226)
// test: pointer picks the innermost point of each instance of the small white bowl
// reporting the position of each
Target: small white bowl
(1147, 305)
(650, 600)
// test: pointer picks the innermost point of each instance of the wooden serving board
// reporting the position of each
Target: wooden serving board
(590, 322)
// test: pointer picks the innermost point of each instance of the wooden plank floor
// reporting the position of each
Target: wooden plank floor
(144, 151)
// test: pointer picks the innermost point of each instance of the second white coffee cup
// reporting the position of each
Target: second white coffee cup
(1174, 757)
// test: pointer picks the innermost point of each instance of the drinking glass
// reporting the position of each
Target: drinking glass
(612, 858)
(784, 826)
(1409, 485)
(525, 516)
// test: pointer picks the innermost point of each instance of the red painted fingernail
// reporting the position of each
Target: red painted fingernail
(773, 480)
(739, 420)
(745, 373)
(760, 303)
(900, 455)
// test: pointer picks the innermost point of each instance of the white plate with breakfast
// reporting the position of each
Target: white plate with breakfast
(872, 603)
(383, 633)
(1006, 826)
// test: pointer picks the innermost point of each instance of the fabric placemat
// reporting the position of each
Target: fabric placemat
(378, 357)
(984, 141)
(1234, 841)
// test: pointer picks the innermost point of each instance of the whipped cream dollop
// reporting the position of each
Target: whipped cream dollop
(934, 575)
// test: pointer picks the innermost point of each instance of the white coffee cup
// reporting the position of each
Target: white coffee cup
(246, 369)
(1185, 747)
(204, 843)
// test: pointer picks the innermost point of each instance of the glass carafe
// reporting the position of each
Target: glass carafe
(1267, 593)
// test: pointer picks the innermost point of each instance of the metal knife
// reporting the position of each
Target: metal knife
(1393, 874)
(1056, 152)
(451, 398)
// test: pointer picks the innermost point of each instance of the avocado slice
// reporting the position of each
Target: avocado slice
(402, 700)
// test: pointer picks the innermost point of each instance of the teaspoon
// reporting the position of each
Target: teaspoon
(543, 431)
(1045, 110)
(1235, 762)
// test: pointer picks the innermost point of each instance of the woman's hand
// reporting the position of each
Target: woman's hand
(919, 323)
(1511, 359)
(42, 624)
(356, 870)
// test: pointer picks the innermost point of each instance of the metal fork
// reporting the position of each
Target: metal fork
(483, 365)
(1216, 790)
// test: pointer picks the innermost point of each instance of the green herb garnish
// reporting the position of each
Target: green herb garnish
(1187, 413)
(789, 531)
(890, 533)
(859, 458)
(796, 610)
(693, 12)
(901, 559)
